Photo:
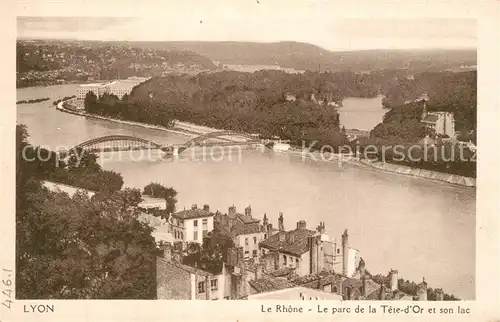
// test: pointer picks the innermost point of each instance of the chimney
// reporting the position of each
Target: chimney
(239, 259)
(258, 272)
(269, 230)
(439, 294)
(393, 279)
(383, 291)
(364, 287)
(340, 289)
(361, 267)
(281, 226)
(248, 211)
(349, 293)
(321, 228)
(422, 291)
(232, 211)
(265, 221)
(345, 253)
(313, 254)
(206, 208)
(301, 224)
(194, 206)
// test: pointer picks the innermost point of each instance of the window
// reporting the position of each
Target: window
(247, 252)
(195, 235)
(201, 287)
(195, 223)
(338, 250)
(246, 241)
(254, 253)
(205, 233)
(265, 236)
(255, 240)
(205, 223)
(182, 235)
(296, 262)
(284, 259)
(213, 285)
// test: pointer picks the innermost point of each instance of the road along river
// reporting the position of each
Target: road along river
(422, 228)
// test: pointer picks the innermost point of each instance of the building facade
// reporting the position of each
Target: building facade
(192, 225)
(245, 230)
(442, 123)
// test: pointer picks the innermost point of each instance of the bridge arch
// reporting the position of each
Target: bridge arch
(123, 141)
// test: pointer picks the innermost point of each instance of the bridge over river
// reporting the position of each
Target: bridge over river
(112, 143)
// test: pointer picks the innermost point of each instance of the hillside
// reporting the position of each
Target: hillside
(303, 56)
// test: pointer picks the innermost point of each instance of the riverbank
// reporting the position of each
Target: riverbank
(193, 130)
(32, 101)
(178, 129)
(421, 173)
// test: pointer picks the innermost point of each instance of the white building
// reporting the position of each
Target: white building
(442, 123)
(118, 87)
(96, 88)
(192, 225)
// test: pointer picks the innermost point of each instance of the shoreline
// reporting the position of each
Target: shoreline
(193, 130)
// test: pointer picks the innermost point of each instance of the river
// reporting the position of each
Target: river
(422, 228)
(361, 113)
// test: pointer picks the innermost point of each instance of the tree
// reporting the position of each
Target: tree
(157, 190)
(211, 254)
(90, 102)
(79, 248)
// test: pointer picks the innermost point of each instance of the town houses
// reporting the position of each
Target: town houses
(264, 262)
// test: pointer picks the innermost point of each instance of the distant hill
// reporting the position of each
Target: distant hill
(303, 56)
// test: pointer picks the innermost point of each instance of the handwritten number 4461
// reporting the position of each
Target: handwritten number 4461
(7, 290)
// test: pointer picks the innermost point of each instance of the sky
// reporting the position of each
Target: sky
(332, 27)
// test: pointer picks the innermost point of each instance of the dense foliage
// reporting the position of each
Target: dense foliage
(79, 248)
(399, 139)
(157, 190)
(36, 100)
(447, 92)
(211, 254)
(65, 98)
(252, 103)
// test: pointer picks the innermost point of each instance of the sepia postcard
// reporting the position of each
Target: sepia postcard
(331, 160)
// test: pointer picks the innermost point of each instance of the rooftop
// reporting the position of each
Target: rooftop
(163, 263)
(269, 283)
(91, 85)
(295, 293)
(192, 214)
(430, 119)
(293, 242)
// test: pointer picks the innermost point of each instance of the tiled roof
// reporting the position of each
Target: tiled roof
(292, 242)
(295, 293)
(283, 271)
(161, 262)
(323, 277)
(269, 283)
(245, 229)
(192, 214)
(247, 219)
